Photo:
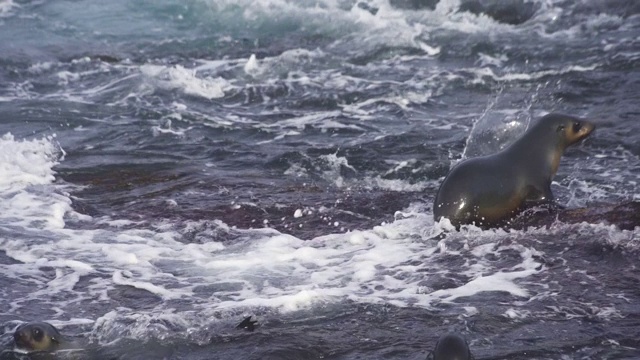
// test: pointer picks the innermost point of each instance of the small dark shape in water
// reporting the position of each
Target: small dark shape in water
(414, 4)
(106, 58)
(513, 12)
(451, 347)
(38, 336)
(247, 324)
(369, 8)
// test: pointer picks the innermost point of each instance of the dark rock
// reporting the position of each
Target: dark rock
(513, 12)
(625, 216)
(414, 4)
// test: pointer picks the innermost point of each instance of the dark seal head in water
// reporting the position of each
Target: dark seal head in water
(488, 191)
(451, 347)
(37, 336)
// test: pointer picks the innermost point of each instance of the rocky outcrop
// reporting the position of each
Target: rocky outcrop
(625, 216)
(512, 12)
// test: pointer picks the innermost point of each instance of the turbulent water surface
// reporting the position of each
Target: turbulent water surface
(170, 167)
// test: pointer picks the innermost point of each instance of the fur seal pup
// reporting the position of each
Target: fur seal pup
(38, 336)
(451, 347)
(489, 190)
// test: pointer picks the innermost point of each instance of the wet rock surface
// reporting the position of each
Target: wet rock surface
(625, 216)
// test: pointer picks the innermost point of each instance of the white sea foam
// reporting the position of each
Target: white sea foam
(123, 278)
(260, 269)
(512, 313)
(40, 67)
(7, 8)
(394, 184)
(370, 29)
(27, 163)
(488, 60)
(187, 80)
(166, 128)
(27, 170)
(251, 67)
(481, 73)
(66, 77)
(390, 263)
(318, 120)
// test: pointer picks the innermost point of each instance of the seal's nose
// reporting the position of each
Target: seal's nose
(580, 130)
(587, 129)
(19, 337)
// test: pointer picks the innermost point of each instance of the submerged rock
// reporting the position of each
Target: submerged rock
(622, 8)
(414, 4)
(513, 12)
(625, 216)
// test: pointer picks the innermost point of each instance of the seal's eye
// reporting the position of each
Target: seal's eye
(560, 128)
(37, 334)
(576, 127)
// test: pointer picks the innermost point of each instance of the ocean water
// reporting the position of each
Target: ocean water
(170, 167)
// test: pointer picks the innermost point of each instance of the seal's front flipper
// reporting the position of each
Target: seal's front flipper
(541, 199)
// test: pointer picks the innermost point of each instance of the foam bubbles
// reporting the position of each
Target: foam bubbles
(27, 168)
(124, 278)
(7, 8)
(187, 80)
(27, 162)
(512, 313)
(403, 263)
(251, 67)
(407, 262)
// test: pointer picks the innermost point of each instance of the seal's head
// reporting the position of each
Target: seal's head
(568, 129)
(38, 336)
(451, 347)
(554, 133)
